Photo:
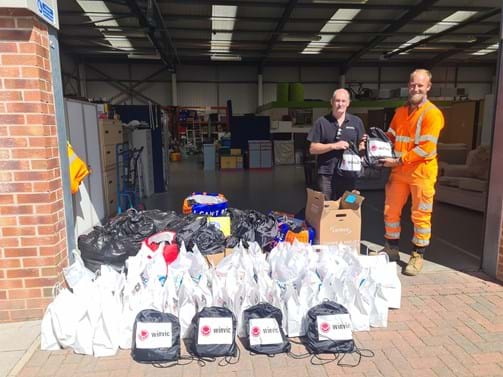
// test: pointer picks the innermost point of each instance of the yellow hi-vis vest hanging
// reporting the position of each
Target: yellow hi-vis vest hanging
(78, 169)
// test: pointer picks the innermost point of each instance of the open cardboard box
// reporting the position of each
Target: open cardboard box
(214, 259)
(332, 224)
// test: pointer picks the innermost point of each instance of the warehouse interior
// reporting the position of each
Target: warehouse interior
(206, 77)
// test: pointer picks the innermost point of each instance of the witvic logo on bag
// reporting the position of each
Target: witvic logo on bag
(153, 335)
(351, 162)
(334, 327)
(215, 330)
(380, 148)
(264, 331)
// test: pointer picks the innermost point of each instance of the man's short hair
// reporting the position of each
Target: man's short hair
(345, 90)
(423, 71)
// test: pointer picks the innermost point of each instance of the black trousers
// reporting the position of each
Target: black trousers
(333, 186)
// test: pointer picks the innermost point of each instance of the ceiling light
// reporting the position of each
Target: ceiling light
(487, 50)
(447, 23)
(144, 56)
(223, 17)
(290, 37)
(339, 1)
(337, 22)
(229, 58)
(457, 39)
(91, 7)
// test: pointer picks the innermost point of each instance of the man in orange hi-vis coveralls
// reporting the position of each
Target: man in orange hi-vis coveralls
(414, 130)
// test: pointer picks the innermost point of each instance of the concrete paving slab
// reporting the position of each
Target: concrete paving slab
(18, 341)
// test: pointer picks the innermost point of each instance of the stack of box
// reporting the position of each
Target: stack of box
(260, 154)
(111, 134)
(233, 161)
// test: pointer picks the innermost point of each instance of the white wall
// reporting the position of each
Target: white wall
(212, 85)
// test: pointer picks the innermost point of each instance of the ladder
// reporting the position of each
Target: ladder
(194, 133)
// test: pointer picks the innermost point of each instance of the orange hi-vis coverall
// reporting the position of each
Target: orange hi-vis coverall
(415, 138)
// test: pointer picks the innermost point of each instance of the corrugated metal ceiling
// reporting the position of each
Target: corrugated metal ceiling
(180, 31)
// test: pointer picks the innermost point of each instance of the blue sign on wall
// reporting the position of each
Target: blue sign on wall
(45, 11)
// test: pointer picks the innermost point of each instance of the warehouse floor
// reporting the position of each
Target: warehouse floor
(457, 232)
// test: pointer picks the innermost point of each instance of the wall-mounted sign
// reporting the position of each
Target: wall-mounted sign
(47, 10)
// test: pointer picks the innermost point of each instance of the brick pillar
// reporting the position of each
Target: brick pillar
(32, 224)
(499, 269)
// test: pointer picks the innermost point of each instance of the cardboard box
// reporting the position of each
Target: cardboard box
(222, 222)
(214, 259)
(351, 200)
(235, 151)
(228, 162)
(332, 224)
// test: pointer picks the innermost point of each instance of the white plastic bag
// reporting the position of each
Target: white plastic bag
(390, 283)
(186, 305)
(246, 296)
(106, 335)
(67, 311)
(179, 267)
(48, 340)
(379, 308)
(296, 310)
(202, 292)
(77, 272)
(358, 303)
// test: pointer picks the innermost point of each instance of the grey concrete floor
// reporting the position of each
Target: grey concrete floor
(457, 232)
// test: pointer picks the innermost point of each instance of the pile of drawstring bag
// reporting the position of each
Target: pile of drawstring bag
(166, 292)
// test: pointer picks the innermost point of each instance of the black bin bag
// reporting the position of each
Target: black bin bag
(156, 337)
(329, 329)
(212, 333)
(264, 334)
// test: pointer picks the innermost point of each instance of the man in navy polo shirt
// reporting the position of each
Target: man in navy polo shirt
(329, 137)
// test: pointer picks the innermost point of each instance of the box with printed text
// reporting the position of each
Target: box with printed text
(331, 223)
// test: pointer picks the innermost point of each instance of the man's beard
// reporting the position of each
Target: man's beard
(416, 99)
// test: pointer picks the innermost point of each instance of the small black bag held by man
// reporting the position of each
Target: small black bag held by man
(264, 334)
(156, 337)
(378, 146)
(350, 164)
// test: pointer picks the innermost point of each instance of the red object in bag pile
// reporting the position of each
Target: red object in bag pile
(170, 250)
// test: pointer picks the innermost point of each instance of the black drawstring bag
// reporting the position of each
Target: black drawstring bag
(212, 333)
(329, 331)
(378, 146)
(350, 163)
(264, 334)
(156, 337)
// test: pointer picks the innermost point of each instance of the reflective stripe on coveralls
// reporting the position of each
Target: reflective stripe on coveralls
(415, 136)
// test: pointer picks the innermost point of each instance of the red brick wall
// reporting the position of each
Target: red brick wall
(32, 224)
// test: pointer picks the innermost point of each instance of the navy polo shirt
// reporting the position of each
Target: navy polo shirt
(327, 130)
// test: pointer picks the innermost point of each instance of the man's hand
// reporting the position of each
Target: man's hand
(340, 145)
(390, 162)
(363, 142)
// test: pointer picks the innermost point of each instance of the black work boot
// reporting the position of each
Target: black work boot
(391, 248)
